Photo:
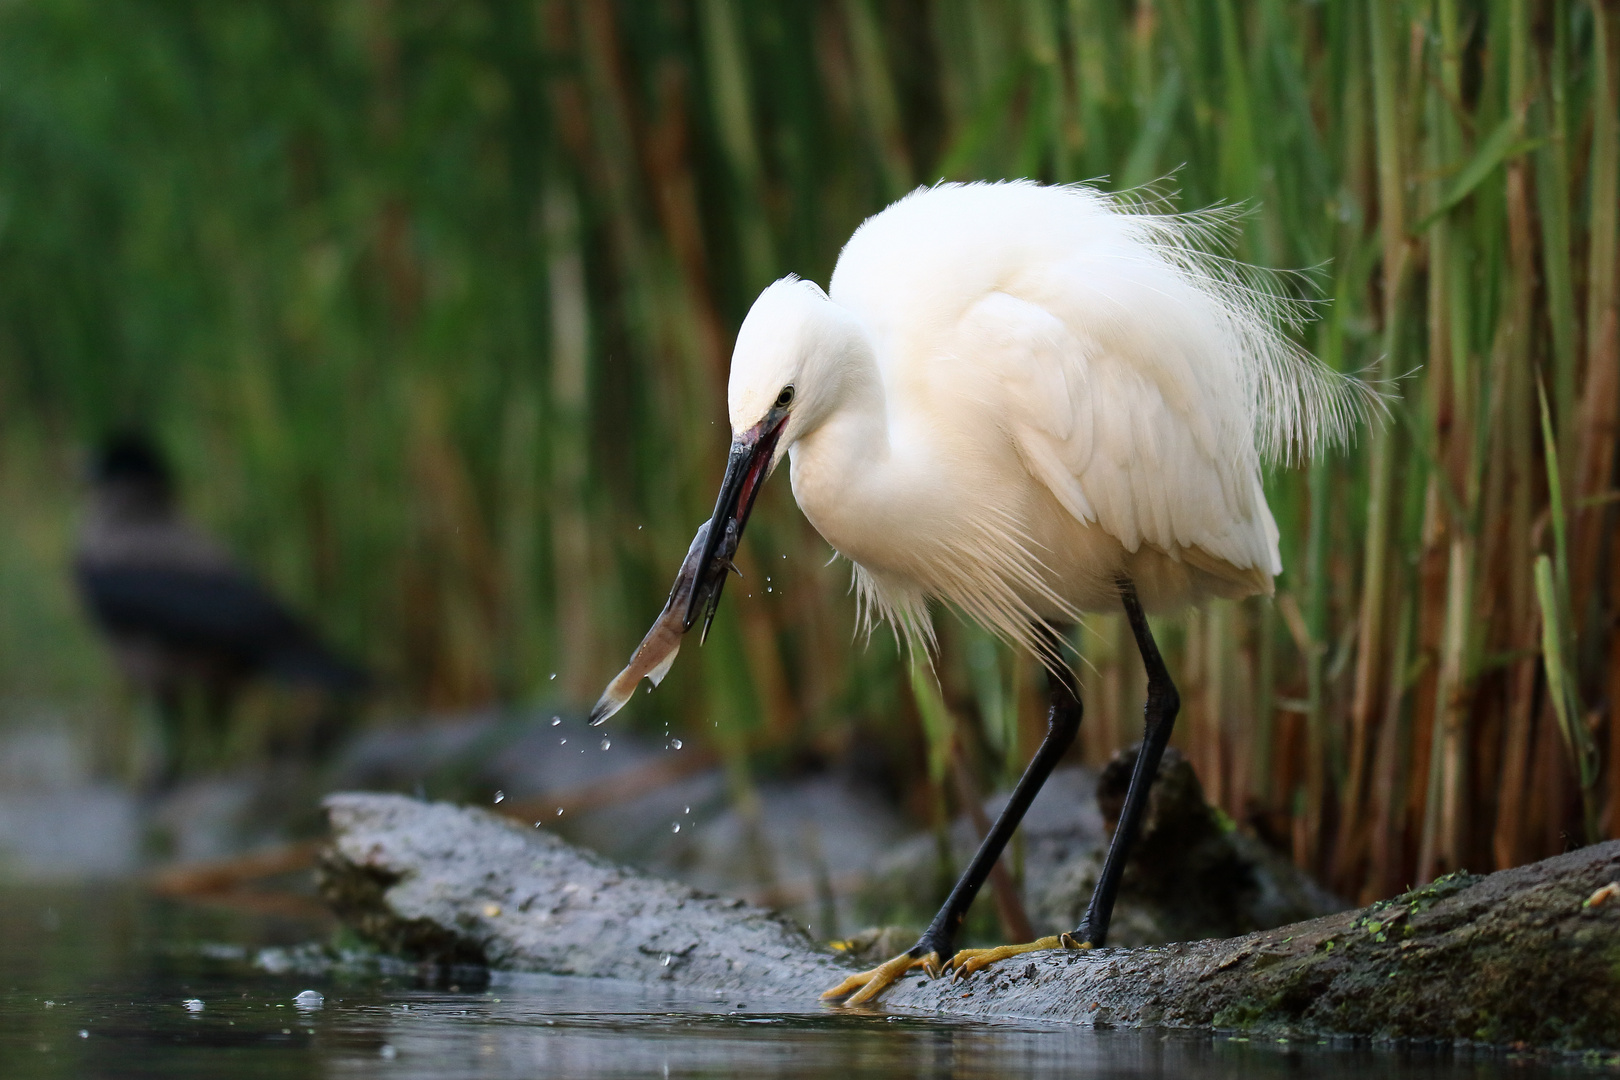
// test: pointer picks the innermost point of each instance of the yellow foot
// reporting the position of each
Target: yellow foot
(869, 984)
(968, 961)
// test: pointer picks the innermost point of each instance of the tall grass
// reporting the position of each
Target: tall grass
(433, 303)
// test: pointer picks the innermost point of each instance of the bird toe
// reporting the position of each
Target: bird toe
(968, 962)
(864, 986)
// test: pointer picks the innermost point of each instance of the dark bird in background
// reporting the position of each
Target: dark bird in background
(184, 621)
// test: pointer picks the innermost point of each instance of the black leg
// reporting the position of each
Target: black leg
(1062, 723)
(1159, 718)
(169, 702)
(934, 949)
(937, 944)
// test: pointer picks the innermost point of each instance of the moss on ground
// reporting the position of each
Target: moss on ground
(1465, 957)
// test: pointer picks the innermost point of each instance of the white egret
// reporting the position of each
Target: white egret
(1027, 402)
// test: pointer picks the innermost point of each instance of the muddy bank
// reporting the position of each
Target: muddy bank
(1530, 955)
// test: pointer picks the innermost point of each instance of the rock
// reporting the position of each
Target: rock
(796, 843)
(1520, 956)
(456, 885)
(1192, 874)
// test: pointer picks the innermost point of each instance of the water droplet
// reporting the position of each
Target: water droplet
(666, 959)
(676, 743)
(553, 676)
(387, 1052)
(607, 743)
(559, 811)
(194, 1005)
(500, 796)
(675, 827)
(555, 720)
(83, 1033)
(686, 809)
(562, 742)
(309, 999)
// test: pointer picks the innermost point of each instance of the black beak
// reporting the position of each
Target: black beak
(746, 467)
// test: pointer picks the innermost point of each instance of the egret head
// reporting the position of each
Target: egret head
(783, 382)
(773, 344)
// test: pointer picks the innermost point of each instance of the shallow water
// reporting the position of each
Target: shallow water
(94, 983)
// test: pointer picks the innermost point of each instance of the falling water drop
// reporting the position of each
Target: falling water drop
(686, 809)
(553, 676)
(555, 720)
(676, 827)
(500, 796)
(559, 811)
(562, 742)
(676, 743)
(607, 743)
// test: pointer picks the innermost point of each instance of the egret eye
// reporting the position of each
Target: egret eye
(785, 398)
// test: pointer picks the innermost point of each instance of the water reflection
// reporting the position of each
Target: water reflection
(95, 984)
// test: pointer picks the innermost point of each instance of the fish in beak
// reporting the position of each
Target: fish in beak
(702, 576)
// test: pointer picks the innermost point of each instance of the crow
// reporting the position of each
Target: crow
(180, 615)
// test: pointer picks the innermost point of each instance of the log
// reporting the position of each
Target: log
(1527, 956)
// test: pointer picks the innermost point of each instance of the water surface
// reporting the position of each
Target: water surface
(94, 982)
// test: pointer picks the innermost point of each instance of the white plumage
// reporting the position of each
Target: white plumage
(1027, 402)
(1012, 395)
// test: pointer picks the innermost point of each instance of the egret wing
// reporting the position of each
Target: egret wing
(1128, 433)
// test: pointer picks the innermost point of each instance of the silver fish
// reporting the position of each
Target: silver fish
(657, 651)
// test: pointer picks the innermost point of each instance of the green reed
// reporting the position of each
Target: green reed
(433, 304)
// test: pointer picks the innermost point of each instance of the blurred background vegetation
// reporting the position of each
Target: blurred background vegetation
(432, 302)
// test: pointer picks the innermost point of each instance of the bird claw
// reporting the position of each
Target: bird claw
(968, 962)
(864, 986)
